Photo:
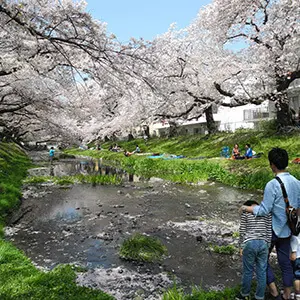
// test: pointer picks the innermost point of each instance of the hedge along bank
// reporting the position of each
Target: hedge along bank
(19, 277)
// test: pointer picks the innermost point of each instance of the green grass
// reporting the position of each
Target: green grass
(21, 280)
(251, 174)
(228, 249)
(176, 293)
(142, 248)
(236, 235)
(13, 168)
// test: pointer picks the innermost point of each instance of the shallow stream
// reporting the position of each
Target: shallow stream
(86, 224)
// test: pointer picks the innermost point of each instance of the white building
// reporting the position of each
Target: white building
(230, 119)
(227, 119)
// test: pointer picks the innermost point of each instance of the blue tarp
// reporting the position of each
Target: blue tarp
(166, 156)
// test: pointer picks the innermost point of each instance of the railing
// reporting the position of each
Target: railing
(256, 114)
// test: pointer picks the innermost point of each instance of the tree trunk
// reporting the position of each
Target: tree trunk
(283, 113)
(172, 129)
(210, 122)
(130, 137)
(146, 130)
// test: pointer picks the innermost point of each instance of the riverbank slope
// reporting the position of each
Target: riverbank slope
(202, 157)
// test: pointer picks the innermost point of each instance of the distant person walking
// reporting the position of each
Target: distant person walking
(51, 154)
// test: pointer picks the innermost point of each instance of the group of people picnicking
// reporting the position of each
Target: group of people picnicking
(137, 150)
(236, 153)
(116, 148)
(264, 226)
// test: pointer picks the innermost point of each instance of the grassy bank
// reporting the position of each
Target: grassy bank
(19, 277)
(13, 168)
(203, 159)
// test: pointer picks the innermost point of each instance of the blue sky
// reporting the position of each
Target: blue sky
(143, 18)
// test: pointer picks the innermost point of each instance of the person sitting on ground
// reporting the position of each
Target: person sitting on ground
(137, 149)
(296, 160)
(248, 153)
(115, 148)
(235, 151)
(127, 153)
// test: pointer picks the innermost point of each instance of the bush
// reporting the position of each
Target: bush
(268, 126)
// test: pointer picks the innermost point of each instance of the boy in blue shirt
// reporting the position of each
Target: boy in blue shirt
(51, 154)
(249, 152)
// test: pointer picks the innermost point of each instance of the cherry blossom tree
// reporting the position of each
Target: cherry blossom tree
(61, 76)
(184, 66)
(46, 46)
(269, 31)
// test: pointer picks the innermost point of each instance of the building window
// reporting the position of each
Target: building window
(254, 114)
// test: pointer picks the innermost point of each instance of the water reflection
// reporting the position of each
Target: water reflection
(90, 167)
(51, 171)
(69, 215)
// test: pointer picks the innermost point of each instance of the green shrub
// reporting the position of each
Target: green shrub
(269, 126)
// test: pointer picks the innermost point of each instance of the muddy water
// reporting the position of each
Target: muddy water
(86, 224)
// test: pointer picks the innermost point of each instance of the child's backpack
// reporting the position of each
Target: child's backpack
(292, 213)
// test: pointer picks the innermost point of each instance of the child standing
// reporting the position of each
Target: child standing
(51, 154)
(255, 239)
(295, 258)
